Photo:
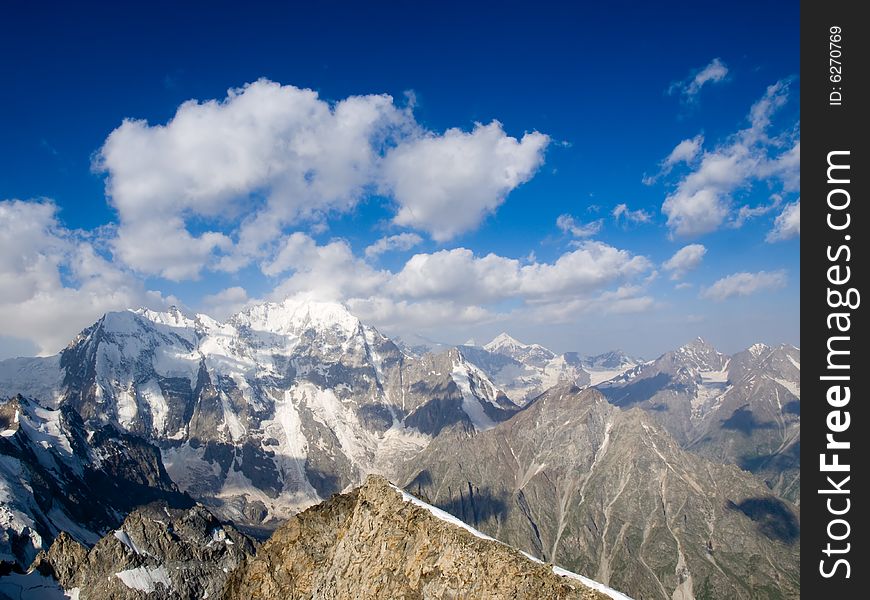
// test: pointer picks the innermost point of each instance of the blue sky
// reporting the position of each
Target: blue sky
(490, 145)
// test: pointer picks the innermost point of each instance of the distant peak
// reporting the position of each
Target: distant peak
(758, 349)
(698, 342)
(504, 340)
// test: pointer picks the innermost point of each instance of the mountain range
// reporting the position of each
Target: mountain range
(672, 478)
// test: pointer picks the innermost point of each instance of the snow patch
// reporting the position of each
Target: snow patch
(599, 587)
(442, 515)
(791, 386)
(757, 350)
(145, 579)
(34, 586)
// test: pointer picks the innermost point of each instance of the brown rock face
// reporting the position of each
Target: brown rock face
(372, 543)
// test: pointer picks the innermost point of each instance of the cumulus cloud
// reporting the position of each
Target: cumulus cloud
(447, 184)
(226, 302)
(327, 272)
(621, 211)
(568, 224)
(787, 224)
(221, 182)
(746, 212)
(690, 87)
(295, 154)
(684, 260)
(55, 282)
(744, 284)
(684, 152)
(702, 200)
(404, 316)
(401, 241)
(454, 282)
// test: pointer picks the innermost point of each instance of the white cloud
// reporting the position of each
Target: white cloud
(568, 224)
(621, 211)
(300, 155)
(746, 212)
(702, 200)
(401, 241)
(684, 260)
(221, 182)
(328, 272)
(455, 282)
(787, 224)
(226, 302)
(689, 88)
(403, 316)
(54, 281)
(684, 152)
(744, 284)
(459, 275)
(446, 185)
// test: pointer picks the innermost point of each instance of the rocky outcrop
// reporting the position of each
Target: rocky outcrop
(158, 552)
(377, 542)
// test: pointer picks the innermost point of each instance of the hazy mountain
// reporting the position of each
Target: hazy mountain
(742, 409)
(524, 371)
(608, 492)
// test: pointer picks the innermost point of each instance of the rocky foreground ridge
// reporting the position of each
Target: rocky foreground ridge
(374, 542)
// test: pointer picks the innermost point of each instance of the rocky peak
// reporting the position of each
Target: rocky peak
(380, 542)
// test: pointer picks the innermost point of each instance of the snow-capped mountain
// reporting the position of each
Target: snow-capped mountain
(266, 413)
(742, 409)
(524, 371)
(606, 366)
(527, 354)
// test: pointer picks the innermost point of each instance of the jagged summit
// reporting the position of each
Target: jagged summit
(293, 314)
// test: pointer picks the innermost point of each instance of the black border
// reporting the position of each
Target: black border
(825, 128)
